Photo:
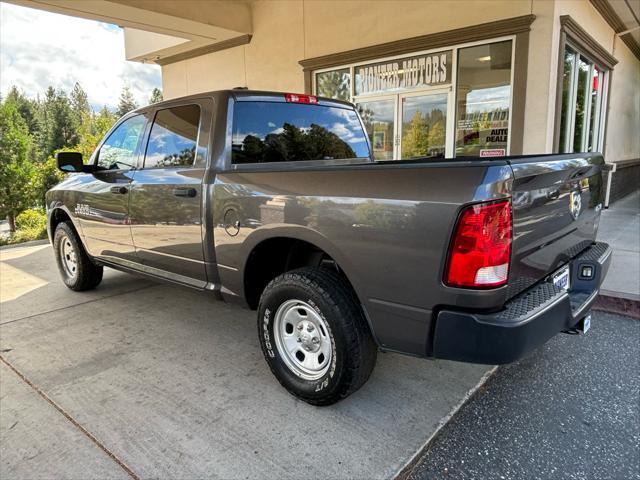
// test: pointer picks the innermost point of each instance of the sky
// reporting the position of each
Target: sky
(38, 49)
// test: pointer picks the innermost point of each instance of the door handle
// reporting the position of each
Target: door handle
(120, 190)
(185, 192)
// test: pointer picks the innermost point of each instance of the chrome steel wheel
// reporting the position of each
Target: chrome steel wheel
(302, 339)
(68, 257)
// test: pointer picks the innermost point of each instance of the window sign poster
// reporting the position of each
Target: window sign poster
(485, 134)
(493, 152)
(379, 140)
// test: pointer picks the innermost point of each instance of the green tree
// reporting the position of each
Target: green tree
(16, 172)
(57, 126)
(126, 103)
(156, 96)
(94, 126)
(27, 108)
(424, 135)
(79, 104)
(44, 177)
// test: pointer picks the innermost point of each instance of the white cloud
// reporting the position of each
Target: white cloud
(38, 49)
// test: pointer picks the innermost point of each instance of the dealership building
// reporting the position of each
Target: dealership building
(438, 78)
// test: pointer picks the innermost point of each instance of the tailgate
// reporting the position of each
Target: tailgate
(556, 208)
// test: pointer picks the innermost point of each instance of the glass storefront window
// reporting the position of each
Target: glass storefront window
(581, 113)
(595, 92)
(378, 117)
(483, 100)
(567, 86)
(438, 104)
(581, 105)
(334, 84)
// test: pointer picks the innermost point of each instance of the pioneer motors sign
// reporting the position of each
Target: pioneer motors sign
(406, 73)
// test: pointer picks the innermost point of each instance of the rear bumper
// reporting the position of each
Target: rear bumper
(527, 321)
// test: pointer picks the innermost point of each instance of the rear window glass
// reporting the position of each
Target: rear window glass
(283, 132)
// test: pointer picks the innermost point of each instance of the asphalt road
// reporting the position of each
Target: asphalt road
(570, 410)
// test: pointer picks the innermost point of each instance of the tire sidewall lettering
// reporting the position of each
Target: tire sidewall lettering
(265, 331)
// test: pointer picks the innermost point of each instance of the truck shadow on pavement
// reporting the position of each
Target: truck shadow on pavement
(173, 382)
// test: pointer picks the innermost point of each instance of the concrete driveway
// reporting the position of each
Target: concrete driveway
(139, 380)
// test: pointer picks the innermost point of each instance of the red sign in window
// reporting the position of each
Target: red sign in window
(493, 152)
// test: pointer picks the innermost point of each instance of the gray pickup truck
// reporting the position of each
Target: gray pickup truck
(274, 200)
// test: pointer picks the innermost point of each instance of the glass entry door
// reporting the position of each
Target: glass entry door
(379, 117)
(423, 124)
(411, 125)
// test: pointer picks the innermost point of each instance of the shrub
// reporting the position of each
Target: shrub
(31, 219)
(30, 225)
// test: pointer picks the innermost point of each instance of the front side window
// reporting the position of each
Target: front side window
(483, 100)
(284, 132)
(119, 151)
(581, 113)
(173, 137)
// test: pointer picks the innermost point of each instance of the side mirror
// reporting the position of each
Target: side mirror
(70, 161)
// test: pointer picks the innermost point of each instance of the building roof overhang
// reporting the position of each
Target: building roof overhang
(163, 32)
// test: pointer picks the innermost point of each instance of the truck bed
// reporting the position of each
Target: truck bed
(393, 221)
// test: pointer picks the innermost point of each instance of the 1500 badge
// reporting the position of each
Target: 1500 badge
(83, 209)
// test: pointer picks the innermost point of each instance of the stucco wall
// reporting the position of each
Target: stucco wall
(623, 139)
(285, 32)
(337, 26)
(268, 62)
(538, 109)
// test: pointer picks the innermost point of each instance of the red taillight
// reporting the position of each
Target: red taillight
(295, 98)
(481, 248)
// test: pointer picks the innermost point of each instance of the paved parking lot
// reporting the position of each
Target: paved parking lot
(570, 410)
(147, 380)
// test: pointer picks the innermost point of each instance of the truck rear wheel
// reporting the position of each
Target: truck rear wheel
(76, 268)
(314, 335)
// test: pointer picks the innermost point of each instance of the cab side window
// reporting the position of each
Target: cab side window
(173, 137)
(118, 152)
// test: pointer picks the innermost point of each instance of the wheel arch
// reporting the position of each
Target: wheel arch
(58, 214)
(267, 256)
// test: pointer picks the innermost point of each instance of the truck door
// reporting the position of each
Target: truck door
(166, 193)
(103, 203)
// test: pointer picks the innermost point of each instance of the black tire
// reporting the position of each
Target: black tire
(86, 275)
(353, 349)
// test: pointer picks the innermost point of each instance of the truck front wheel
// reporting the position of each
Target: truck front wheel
(314, 335)
(76, 268)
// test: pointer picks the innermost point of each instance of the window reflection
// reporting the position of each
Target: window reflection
(335, 84)
(424, 122)
(378, 117)
(279, 132)
(173, 137)
(118, 152)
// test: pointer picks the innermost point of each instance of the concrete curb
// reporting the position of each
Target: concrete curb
(407, 468)
(31, 243)
(618, 305)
